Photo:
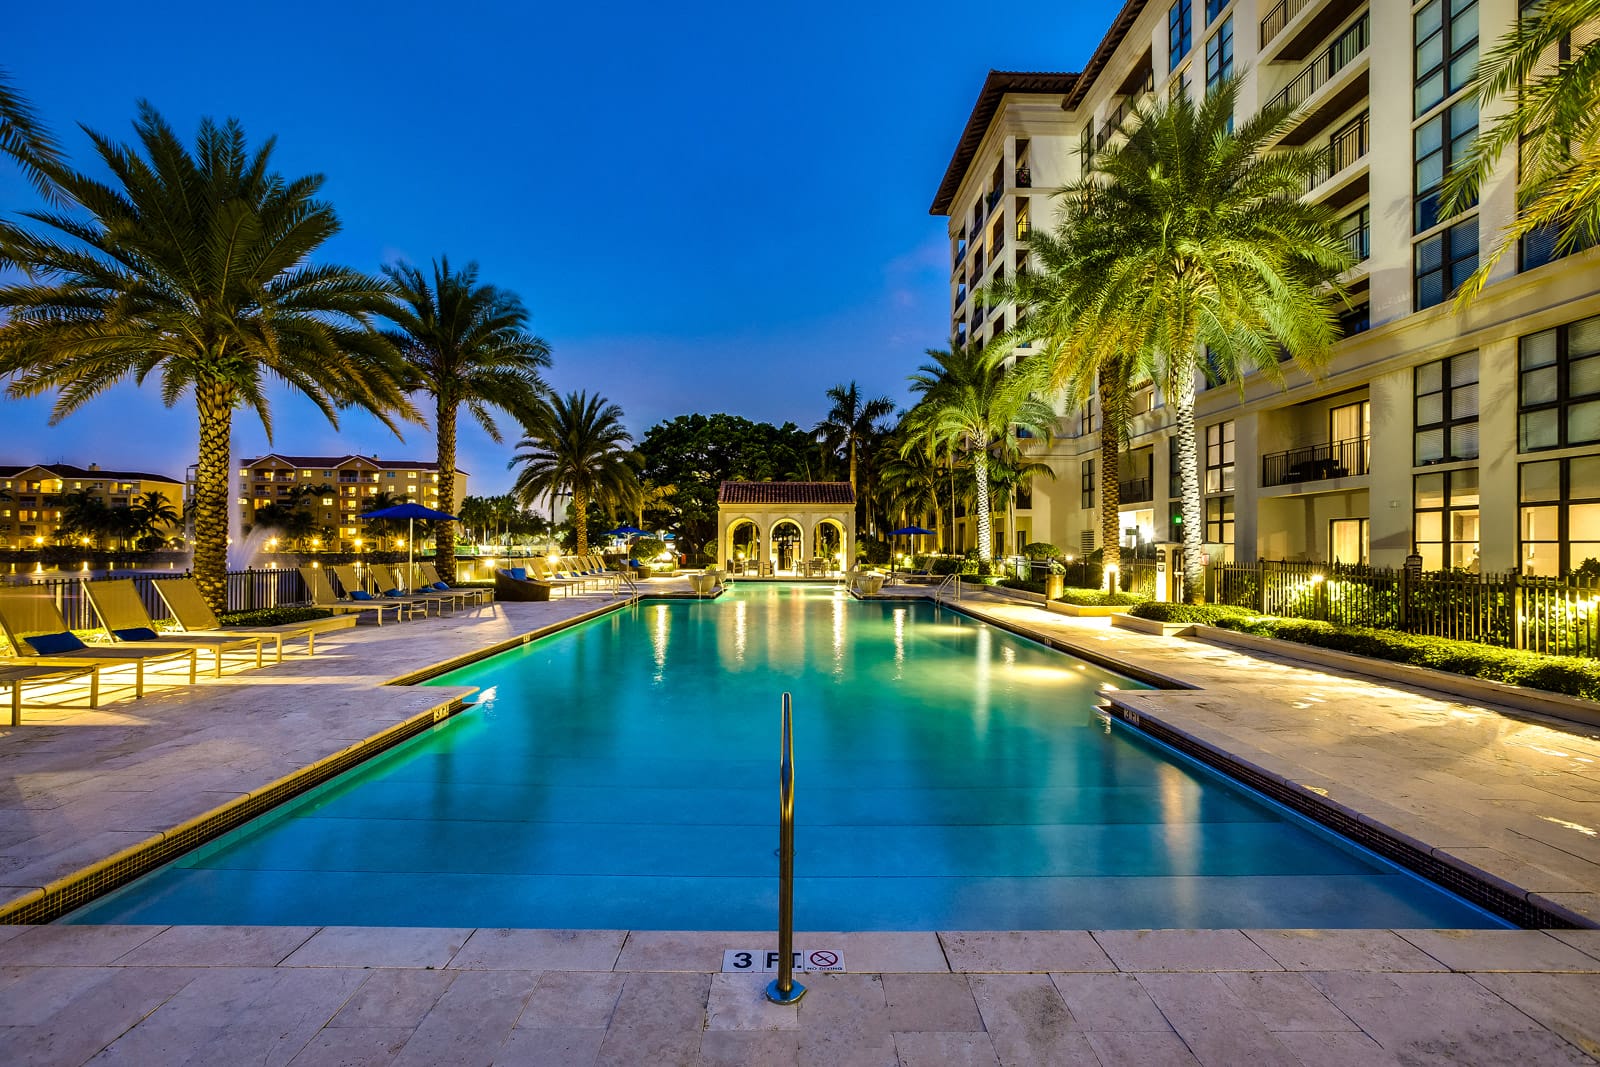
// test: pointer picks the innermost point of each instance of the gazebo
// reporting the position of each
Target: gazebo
(788, 518)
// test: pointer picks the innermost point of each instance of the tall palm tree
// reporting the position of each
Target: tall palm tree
(578, 445)
(911, 481)
(83, 514)
(1213, 250)
(969, 401)
(466, 344)
(852, 421)
(1555, 121)
(475, 514)
(194, 266)
(26, 140)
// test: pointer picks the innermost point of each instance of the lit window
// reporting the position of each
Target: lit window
(1349, 540)
(1220, 460)
(1447, 519)
(1559, 386)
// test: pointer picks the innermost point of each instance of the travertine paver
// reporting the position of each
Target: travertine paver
(215, 1012)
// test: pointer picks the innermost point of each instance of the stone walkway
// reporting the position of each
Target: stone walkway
(357, 997)
(1499, 794)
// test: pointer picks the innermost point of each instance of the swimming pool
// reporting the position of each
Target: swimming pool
(622, 774)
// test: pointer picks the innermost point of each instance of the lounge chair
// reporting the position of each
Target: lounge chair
(323, 596)
(584, 567)
(35, 629)
(15, 674)
(188, 606)
(122, 615)
(543, 572)
(430, 577)
(355, 588)
(508, 586)
(385, 578)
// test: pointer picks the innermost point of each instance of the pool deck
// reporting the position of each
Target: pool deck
(1516, 797)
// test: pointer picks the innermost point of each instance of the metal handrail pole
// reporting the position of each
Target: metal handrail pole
(784, 989)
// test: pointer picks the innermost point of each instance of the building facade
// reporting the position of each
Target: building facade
(31, 497)
(337, 489)
(1471, 438)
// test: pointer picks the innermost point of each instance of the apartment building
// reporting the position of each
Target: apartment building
(337, 489)
(31, 497)
(1470, 438)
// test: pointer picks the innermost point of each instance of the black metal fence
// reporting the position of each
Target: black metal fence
(247, 591)
(1560, 616)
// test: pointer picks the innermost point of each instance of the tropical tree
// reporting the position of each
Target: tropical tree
(151, 513)
(910, 482)
(1555, 122)
(969, 401)
(1211, 249)
(85, 515)
(383, 529)
(466, 344)
(851, 422)
(193, 267)
(578, 446)
(26, 140)
(475, 515)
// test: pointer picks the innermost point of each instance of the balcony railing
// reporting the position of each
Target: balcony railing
(994, 197)
(1022, 228)
(1347, 145)
(1280, 16)
(1024, 177)
(1136, 491)
(1320, 71)
(1316, 463)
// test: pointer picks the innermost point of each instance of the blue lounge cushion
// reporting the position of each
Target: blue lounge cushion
(519, 573)
(441, 587)
(393, 592)
(360, 594)
(54, 644)
(136, 633)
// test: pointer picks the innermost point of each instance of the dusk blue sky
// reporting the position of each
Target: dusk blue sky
(706, 207)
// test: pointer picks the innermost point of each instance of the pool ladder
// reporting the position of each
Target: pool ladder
(784, 989)
(951, 583)
(626, 579)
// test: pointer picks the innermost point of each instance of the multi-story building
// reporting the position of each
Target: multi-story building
(31, 497)
(337, 489)
(1484, 424)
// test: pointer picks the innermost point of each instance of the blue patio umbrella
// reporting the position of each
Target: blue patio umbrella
(411, 513)
(913, 531)
(626, 530)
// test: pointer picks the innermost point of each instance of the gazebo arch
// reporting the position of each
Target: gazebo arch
(767, 504)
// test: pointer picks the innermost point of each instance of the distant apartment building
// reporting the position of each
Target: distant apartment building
(337, 489)
(1471, 439)
(31, 497)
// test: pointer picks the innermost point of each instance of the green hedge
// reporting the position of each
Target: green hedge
(1099, 598)
(1019, 583)
(273, 616)
(1570, 675)
(1206, 613)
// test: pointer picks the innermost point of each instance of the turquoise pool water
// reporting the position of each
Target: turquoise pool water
(623, 774)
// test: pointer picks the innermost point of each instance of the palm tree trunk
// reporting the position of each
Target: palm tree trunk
(215, 404)
(580, 521)
(444, 533)
(1189, 478)
(1110, 480)
(980, 474)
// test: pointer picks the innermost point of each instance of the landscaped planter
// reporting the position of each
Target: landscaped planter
(1084, 611)
(1150, 626)
(1477, 690)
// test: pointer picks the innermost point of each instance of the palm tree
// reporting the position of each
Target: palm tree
(1212, 249)
(851, 422)
(1555, 122)
(466, 345)
(85, 515)
(194, 267)
(382, 529)
(910, 483)
(475, 515)
(26, 140)
(150, 512)
(578, 445)
(970, 401)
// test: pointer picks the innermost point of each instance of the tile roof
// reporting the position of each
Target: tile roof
(335, 461)
(995, 88)
(785, 493)
(68, 470)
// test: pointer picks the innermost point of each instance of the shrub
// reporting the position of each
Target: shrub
(872, 551)
(273, 616)
(646, 549)
(1020, 583)
(1041, 550)
(1207, 613)
(1098, 598)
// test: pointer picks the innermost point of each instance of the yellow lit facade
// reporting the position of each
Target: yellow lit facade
(1472, 439)
(31, 497)
(350, 482)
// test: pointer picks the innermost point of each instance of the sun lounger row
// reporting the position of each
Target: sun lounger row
(376, 591)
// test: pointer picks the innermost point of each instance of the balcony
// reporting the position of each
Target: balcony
(1316, 463)
(1356, 231)
(1022, 228)
(1320, 71)
(1024, 177)
(1136, 491)
(1347, 145)
(994, 198)
(1292, 29)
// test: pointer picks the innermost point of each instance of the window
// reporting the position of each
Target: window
(1447, 410)
(1219, 520)
(1444, 261)
(1024, 502)
(1180, 86)
(1447, 519)
(1446, 33)
(1560, 514)
(1349, 430)
(1219, 56)
(1349, 540)
(1180, 32)
(1087, 485)
(1219, 458)
(1559, 387)
(1439, 143)
(1214, 8)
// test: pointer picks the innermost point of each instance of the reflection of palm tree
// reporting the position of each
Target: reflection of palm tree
(579, 446)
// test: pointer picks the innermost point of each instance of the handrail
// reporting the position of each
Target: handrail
(1325, 66)
(784, 989)
(950, 580)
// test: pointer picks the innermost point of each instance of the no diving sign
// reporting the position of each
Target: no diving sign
(762, 960)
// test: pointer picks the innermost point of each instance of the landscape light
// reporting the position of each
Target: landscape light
(1316, 578)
